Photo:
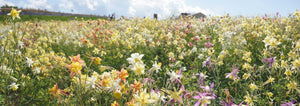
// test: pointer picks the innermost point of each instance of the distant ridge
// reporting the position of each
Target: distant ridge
(4, 11)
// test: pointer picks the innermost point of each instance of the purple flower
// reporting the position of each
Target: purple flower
(148, 80)
(223, 103)
(270, 60)
(288, 103)
(203, 98)
(208, 88)
(186, 93)
(233, 75)
(177, 81)
(208, 44)
(201, 78)
(207, 62)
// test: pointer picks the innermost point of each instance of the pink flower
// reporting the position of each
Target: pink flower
(207, 62)
(209, 45)
(269, 60)
(190, 44)
(288, 103)
(233, 75)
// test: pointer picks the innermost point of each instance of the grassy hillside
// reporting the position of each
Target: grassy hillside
(47, 18)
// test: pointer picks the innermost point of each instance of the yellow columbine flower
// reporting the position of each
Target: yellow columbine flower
(288, 72)
(143, 98)
(248, 99)
(252, 86)
(292, 85)
(296, 63)
(76, 67)
(14, 86)
(115, 103)
(270, 94)
(270, 80)
(14, 13)
(97, 60)
(246, 75)
(117, 94)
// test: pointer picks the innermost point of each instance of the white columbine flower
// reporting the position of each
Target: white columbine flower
(194, 50)
(92, 81)
(174, 76)
(36, 70)
(14, 86)
(29, 62)
(156, 67)
(200, 56)
(135, 58)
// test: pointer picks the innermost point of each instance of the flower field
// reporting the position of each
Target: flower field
(219, 60)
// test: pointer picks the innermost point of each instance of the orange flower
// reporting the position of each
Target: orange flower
(131, 103)
(115, 103)
(74, 68)
(105, 82)
(136, 86)
(55, 91)
(123, 75)
(76, 65)
(77, 59)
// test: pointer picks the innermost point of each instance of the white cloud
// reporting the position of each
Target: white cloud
(2, 2)
(91, 4)
(37, 4)
(66, 4)
(164, 8)
(131, 11)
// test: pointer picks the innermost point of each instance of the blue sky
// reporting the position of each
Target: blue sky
(164, 8)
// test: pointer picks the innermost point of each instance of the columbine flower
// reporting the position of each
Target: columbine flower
(36, 70)
(97, 60)
(14, 13)
(130, 103)
(270, 80)
(292, 85)
(296, 63)
(223, 103)
(143, 99)
(123, 75)
(96, 51)
(75, 68)
(14, 86)
(174, 95)
(270, 60)
(115, 103)
(135, 58)
(156, 67)
(203, 99)
(209, 45)
(136, 86)
(208, 88)
(233, 75)
(92, 81)
(148, 81)
(252, 86)
(288, 103)
(117, 94)
(206, 62)
(174, 76)
(138, 68)
(155, 96)
(200, 56)
(54, 91)
(201, 78)
(29, 62)
(77, 59)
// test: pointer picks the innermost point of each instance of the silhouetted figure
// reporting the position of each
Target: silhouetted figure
(155, 16)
